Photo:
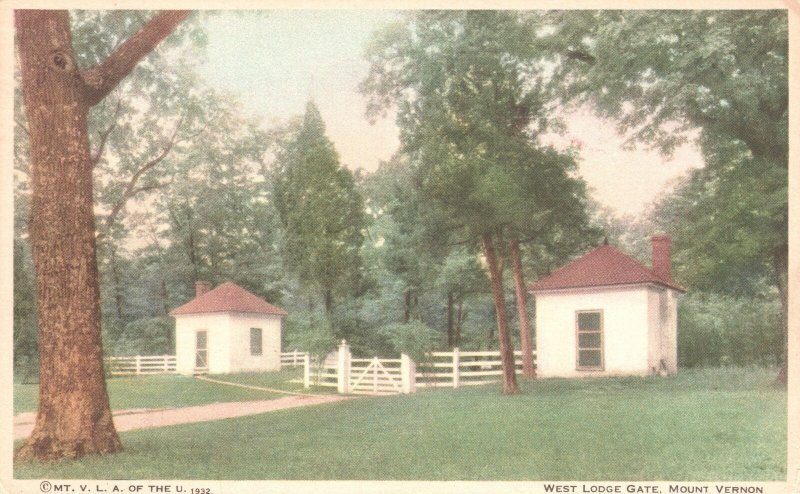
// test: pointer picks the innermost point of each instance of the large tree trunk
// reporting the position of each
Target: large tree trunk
(74, 418)
(522, 311)
(506, 350)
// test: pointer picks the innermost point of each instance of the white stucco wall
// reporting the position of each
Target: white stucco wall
(625, 330)
(218, 342)
(240, 357)
(663, 339)
(228, 342)
(671, 333)
(653, 329)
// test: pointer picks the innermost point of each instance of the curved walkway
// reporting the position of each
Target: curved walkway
(145, 418)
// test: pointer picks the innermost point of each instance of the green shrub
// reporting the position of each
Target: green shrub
(149, 336)
(414, 338)
(718, 330)
(310, 332)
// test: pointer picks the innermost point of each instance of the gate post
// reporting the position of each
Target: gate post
(343, 369)
(408, 374)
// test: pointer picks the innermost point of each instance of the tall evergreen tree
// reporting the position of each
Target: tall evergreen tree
(321, 210)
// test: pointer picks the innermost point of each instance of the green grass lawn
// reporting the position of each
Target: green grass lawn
(721, 424)
(162, 391)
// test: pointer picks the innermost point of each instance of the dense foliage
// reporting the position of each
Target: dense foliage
(719, 77)
(187, 189)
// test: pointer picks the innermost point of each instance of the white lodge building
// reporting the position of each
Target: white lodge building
(606, 314)
(227, 329)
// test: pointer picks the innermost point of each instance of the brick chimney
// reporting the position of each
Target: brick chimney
(662, 256)
(201, 287)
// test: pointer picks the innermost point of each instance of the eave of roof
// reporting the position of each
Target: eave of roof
(604, 266)
(228, 297)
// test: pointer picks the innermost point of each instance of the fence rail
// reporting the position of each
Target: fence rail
(359, 375)
(384, 376)
(137, 365)
(140, 365)
(294, 358)
(455, 369)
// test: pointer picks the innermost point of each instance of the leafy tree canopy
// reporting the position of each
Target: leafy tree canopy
(664, 74)
(320, 208)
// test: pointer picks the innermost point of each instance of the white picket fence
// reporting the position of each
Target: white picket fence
(321, 374)
(458, 368)
(391, 376)
(350, 375)
(140, 365)
(294, 358)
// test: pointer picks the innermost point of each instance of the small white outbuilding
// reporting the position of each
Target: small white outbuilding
(227, 329)
(607, 314)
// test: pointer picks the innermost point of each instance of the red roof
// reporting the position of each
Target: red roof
(228, 297)
(604, 266)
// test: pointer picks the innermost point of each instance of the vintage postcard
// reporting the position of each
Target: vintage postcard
(399, 247)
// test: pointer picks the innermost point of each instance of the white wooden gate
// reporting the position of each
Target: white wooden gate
(376, 376)
(373, 376)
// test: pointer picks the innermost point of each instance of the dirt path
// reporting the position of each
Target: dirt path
(145, 418)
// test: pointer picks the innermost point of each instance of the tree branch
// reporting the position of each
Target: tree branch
(130, 189)
(148, 188)
(582, 56)
(101, 79)
(104, 135)
(189, 137)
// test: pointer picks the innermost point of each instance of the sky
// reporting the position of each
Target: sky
(275, 62)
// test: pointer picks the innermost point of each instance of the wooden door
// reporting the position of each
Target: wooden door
(201, 351)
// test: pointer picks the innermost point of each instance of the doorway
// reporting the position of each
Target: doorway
(201, 351)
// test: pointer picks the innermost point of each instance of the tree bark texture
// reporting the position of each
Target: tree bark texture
(74, 417)
(522, 310)
(102, 79)
(506, 350)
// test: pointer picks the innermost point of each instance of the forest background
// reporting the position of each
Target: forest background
(192, 184)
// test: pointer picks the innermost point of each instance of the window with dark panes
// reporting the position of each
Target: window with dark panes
(590, 339)
(255, 341)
